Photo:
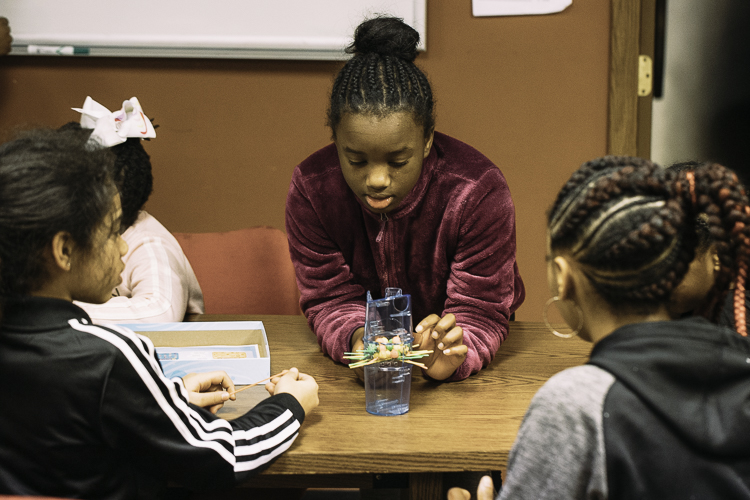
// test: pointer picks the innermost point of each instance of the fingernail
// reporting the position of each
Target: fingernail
(224, 396)
(440, 345)
(485, 481)
(419, 328)
(434, 335)
(447, 351)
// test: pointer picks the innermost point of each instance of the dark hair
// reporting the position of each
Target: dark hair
(49, 182)
(134, 178)
(631, 226)
(381, 78)
(132, 173)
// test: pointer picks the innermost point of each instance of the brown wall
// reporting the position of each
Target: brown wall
(529, 92)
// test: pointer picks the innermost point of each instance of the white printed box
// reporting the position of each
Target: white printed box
(240, 348)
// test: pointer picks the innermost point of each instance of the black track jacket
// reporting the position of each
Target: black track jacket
(86, 412)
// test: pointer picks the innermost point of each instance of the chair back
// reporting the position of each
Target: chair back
(247, 271)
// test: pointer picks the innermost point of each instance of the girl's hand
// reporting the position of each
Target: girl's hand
(359, 343)
(485, 491)
(209, 390)
(442, 336)
(300, 385)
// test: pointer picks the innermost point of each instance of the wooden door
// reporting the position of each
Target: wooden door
(629, 114)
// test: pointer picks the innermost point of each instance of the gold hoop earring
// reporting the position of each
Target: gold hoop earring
(555, 332)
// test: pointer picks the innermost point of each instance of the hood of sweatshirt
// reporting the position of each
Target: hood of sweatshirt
(693, 374)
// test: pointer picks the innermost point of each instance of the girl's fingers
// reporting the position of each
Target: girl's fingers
(459, 350)
(217, 380)
(275, 380)
(446, 323)
(453, 337)
(428, 322)
(214, 409)
(209, 399)
(458, 494)
(485, 490)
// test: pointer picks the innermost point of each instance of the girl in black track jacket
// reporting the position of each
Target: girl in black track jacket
(89, 413)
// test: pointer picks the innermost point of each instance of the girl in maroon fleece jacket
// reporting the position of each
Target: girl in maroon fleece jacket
(392, 203)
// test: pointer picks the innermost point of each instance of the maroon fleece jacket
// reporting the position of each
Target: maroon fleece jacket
(450, 244)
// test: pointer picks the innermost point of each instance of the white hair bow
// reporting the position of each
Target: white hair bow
(112, 128)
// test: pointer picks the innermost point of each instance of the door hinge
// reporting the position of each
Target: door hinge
(645, 75)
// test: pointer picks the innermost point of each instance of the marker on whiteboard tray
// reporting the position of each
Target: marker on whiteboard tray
(57, 50)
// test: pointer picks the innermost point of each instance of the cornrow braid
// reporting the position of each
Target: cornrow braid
(373, 78)
(403, 75)
(354, 86)
(740, 320)
(742, 264)
(338, 85)
(570, 208)
(632, 227)
(381, 78)
(721, 196)
(390, 87)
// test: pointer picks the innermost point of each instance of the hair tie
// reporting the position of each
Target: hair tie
(691, 182)
(112, 128)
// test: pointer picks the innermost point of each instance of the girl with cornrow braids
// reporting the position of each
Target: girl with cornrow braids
(662, 408)
(392, 203)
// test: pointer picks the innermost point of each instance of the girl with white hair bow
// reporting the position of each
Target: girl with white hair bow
(158, 283)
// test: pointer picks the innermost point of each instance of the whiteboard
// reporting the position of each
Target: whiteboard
(264, 29)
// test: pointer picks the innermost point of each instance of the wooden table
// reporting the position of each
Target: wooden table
(450, 427)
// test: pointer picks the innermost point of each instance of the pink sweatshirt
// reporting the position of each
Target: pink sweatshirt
(451, 244)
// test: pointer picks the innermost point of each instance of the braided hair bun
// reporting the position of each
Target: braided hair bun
(382, 78)
(385, 36)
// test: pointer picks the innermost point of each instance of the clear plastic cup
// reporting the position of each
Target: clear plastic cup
(387, 388)
(388, 328)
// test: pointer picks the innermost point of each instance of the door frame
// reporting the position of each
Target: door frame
(632, 34)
